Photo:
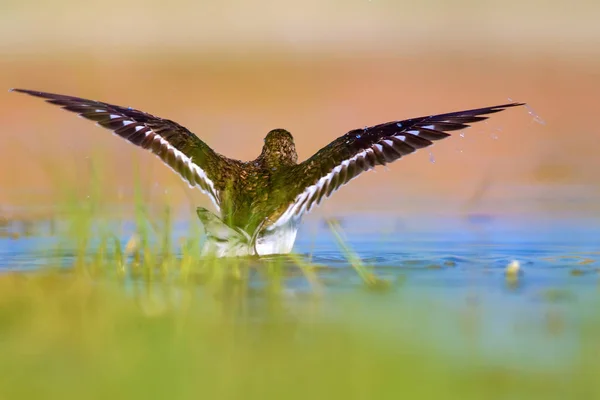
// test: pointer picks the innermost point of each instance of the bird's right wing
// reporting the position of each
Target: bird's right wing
(194, 161)
(361, 150)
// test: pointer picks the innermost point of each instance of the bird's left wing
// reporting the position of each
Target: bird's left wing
(362, 149)
(191, 158)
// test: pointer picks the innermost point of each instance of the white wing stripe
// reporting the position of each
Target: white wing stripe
(302, 203)
(362, 161)
(198, 172)
(161, 146)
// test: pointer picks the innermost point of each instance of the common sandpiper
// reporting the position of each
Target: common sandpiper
(260, 203)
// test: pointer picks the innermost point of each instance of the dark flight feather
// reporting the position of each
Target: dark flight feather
(179, 148)
(362, 149)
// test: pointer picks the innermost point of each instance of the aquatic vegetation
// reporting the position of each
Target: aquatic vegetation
(70, 336)
(131, 310)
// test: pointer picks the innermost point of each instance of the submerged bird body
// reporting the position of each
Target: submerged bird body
(252, 197)
(260, 203)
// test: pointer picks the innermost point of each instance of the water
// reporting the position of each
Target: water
(453, 267)
(442, 255)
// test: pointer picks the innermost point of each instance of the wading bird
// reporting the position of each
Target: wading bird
(261, 202)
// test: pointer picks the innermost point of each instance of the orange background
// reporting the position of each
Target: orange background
(231, 71)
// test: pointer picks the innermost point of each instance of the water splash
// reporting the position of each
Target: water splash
(431, 158)
(530, 111)
(494, 135)
(365, 128)
(536, 117)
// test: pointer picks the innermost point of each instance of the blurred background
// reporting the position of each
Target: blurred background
(136, 312)
(232, 70)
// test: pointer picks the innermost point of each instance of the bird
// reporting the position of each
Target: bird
(260, 203)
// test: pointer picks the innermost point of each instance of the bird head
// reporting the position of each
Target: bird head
(279, 149)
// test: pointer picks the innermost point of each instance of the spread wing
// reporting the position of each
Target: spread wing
(180, 149)
(362, 149)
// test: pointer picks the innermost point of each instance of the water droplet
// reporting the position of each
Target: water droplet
(358, 136)
(129, 108)
(399, 124)
(431, 158)
(536, 117)
(462, 134)
(494, 134)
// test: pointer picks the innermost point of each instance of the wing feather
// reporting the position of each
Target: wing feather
(194, 161)
(362, 149)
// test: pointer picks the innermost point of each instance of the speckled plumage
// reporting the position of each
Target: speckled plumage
(261, 202)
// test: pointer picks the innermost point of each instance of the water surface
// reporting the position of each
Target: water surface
(455, 269)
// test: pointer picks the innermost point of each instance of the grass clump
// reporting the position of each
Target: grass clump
(139, 314)
(68, 336)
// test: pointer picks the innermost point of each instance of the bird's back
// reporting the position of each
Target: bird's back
(254, 195)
